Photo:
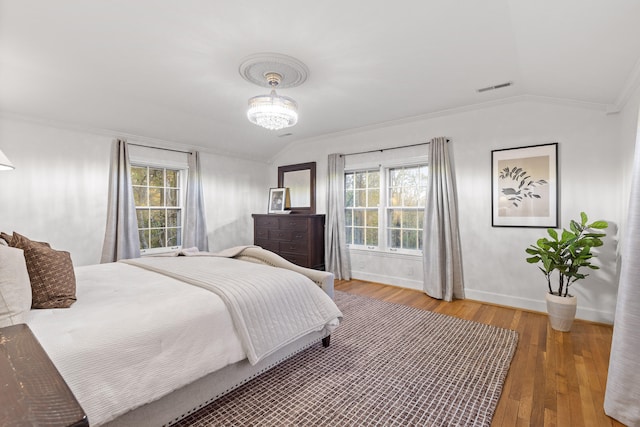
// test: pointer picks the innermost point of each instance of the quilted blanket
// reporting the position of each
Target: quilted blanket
(270, 307)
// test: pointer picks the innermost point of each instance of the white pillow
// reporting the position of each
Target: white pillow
(15, 287)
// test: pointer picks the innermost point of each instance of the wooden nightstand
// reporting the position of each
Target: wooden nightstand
(32, 392)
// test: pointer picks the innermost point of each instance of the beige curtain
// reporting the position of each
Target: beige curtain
(442, 258)
(336, 254)
(195, 226)
(121, 238)
(622, 397)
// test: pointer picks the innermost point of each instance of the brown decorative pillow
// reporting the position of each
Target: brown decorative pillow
(9, 239)
(6, 237)
(53, 282)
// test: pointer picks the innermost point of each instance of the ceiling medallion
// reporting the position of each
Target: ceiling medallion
(272, 70)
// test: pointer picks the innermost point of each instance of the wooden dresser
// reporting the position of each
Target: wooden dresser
(298, 238)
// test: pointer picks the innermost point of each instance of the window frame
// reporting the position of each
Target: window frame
(383, 206)
(182, 180)
(365, 208)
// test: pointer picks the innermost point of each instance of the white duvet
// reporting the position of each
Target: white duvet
(270, 307)
(134, 336)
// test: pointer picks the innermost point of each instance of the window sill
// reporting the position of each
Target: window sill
(157, 251)
(385, 254)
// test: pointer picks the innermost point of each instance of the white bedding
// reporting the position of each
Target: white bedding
(268, 313)
(135, 335)
(168, 334)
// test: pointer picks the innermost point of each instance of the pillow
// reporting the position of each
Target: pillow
(5, 239)
(15, 289)
(53, 281)
(9, 238)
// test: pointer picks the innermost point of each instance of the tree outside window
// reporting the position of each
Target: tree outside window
(157, 196)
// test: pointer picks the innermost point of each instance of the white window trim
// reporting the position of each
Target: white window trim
(184, 171)
(383, 167)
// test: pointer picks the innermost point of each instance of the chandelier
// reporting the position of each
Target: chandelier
(273, 70)
(273, 111)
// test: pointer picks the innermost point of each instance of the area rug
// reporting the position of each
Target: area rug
(388, 365)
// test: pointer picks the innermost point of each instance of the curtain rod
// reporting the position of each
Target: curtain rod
(160, 148)
(387, 149)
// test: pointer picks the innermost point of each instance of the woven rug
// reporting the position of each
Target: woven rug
(388, 365)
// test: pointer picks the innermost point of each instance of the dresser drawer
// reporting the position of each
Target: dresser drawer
(280, 235)
(294, 246)
(266, 222)
(298, 259)
(292, 223)
(288, 235)
(261, 233)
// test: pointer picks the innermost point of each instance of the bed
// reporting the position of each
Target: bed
(150, 340)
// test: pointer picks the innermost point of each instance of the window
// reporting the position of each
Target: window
(158, 197)
(362, 199)
(384, 208)
(407, 191)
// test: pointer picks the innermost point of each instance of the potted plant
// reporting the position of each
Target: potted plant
(568, 254)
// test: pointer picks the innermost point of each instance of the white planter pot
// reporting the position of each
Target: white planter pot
(562, 311)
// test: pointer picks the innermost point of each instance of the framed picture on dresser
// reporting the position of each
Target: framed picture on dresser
(278, 200)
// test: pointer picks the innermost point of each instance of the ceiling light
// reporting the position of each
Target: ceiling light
(5, 164)
(273, 70)
(273, 111)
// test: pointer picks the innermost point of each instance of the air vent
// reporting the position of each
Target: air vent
(500, 86)
(285, 134)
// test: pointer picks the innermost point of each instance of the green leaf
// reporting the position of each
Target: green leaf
(542, 242)
(566, 235)
(583, 217)
(599, 225)
(575, 227)
(595, 235)
(553, 233)
(533, 259)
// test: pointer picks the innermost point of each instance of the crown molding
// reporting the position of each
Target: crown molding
(632, 83)
(450, 112)
(152, 142)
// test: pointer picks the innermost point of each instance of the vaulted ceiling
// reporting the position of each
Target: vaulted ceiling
(168, 69)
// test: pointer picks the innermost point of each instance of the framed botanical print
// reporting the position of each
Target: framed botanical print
(524, 186)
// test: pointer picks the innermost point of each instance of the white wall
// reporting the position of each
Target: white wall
(58, 191)
(591, 174)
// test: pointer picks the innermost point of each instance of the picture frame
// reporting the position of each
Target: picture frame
(278, 200)
(524, 186)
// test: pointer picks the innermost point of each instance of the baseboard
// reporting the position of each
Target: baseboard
(540, 306)
(387, 280)
(589, 314)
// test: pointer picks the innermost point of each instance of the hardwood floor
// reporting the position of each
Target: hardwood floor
(555, 378)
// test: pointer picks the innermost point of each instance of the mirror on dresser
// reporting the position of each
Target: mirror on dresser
(298, 237)
(301, 181)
